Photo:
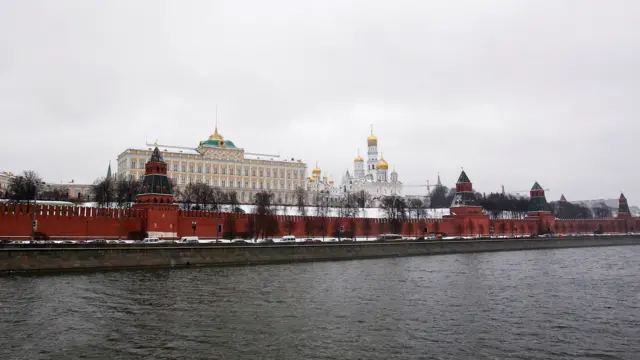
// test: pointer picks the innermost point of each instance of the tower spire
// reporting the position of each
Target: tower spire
(109, 170)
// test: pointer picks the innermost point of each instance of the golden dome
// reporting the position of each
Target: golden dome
(216, 135)
(331, 181)
(358, 159)
(382, 164)
(316, 172)
(372, 140)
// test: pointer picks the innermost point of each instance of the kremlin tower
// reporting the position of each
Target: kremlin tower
(465, 200)
(538, 202)
(623, 208)
(156, 197)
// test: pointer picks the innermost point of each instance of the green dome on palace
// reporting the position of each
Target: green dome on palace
(217, 140)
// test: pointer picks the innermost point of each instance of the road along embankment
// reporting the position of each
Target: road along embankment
(59, 259)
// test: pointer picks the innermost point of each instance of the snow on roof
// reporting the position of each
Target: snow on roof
(268, 157)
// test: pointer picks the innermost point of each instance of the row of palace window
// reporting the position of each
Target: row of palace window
(177, 167)
(238, 183)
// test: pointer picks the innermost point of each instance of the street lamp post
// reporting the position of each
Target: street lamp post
(193, 226)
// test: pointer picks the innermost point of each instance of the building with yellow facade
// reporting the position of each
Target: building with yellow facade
(218, 162)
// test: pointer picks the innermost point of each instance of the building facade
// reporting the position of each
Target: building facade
(220, 163)
(372, 177)
(5, 178)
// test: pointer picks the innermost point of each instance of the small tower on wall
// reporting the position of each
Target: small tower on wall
(538, 204)
(465, 200)
(157, 199)
(465, 210)
(540, 211)
(623, 208)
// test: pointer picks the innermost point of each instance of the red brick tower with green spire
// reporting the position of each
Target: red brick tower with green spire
(157, 199)
(470, 220)
(623, 208)
(540, 210)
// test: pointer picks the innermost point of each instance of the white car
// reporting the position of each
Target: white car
(151, 240)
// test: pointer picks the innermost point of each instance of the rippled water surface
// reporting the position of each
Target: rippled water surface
(546, 304)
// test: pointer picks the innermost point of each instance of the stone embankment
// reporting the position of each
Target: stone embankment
(58, 259)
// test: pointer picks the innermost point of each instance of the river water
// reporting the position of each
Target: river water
(545, 304)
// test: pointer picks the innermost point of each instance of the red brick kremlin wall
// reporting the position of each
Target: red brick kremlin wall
(15, 221)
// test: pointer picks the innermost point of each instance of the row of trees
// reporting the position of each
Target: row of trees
(199, 196)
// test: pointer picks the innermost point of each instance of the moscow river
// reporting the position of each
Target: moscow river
(545, 304)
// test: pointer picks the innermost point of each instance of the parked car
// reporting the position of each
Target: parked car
(189, 240)
(151, 240)
(288, 238)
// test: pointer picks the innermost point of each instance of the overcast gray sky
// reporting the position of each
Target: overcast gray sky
(514, 91)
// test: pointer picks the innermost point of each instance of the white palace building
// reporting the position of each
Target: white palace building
(218, 162)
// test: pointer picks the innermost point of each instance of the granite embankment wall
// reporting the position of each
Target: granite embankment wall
(113, 257)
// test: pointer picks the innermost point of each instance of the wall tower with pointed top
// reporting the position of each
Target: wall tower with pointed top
(540, 211)
(466, 211)
(157, 198)
(623, 208)
(538, 202)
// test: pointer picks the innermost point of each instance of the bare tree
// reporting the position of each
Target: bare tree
(395, 208)
(416, 208)
(264, 213)
(24, 187)
(301, 201)
(104, 191)
(126, 191)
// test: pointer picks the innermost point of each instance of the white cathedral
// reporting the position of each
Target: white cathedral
(375, 179)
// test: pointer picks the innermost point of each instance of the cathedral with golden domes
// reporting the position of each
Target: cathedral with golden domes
(375, 178)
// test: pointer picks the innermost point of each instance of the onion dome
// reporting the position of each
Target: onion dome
(358, 159)
(382, 164)
(316, 172)
(372, 140)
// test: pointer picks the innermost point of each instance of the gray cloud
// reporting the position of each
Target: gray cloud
(514, 91)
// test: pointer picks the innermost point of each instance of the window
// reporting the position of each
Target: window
(231, 171)
(175, 166)
(199, 179)
(133, 164)
(190, 179)
(253, 172)
(184, 167)
(295, 173)
(268, 185)
(140, 177)
(288, 174)
(253, 185)
(281, 184)
(261, 173)
(268, 173)
(215, 169)
(200, 168)
(191, 167)
(246, 184)
(224, 170)
(281, 173)
(222, 183)
(141, 164)
(206, 181)
(242, 196)
(215, 182)
(246, 172)
(261, 185)
(207, 169)
(230, 183)
(182, 179)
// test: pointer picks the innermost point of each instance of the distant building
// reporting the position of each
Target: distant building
(5, 178)
(375, 178)
(220, 163)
